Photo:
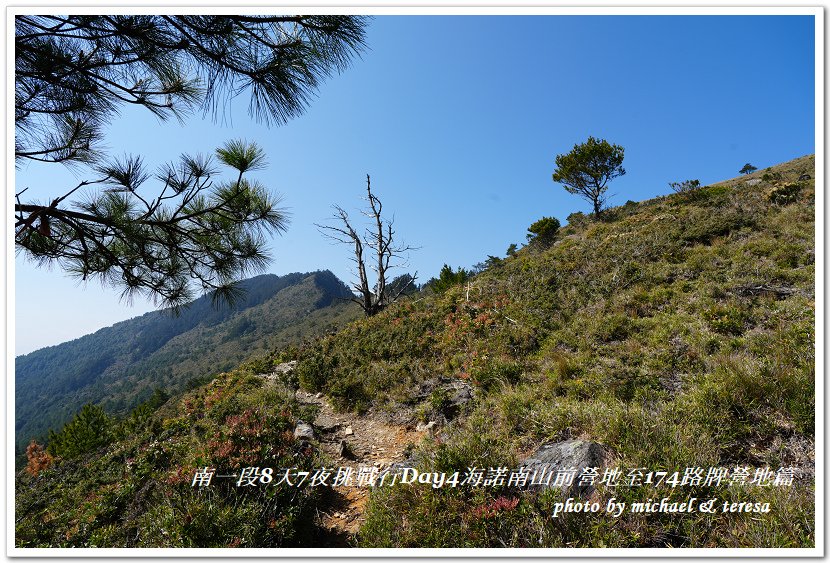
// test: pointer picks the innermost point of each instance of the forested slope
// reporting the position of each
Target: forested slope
(120, 366)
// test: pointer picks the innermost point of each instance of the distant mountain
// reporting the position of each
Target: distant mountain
(119, 366)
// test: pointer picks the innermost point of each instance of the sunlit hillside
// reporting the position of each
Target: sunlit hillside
(676, 333)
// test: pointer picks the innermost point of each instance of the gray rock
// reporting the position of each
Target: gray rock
(462, 397)
(803, 177)
(753, 182)
(326, 424)
(286, 367)
(424, 427)
(550, 458)
(348, 431)
(344, 450)
(426, 387)
(303, 431)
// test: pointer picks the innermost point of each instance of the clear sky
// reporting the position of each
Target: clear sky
(458, 120)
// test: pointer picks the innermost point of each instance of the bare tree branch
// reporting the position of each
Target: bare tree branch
(380, 239)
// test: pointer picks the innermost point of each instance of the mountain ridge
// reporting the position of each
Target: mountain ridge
(122, 363)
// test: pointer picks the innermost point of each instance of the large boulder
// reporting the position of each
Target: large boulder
(548, 459)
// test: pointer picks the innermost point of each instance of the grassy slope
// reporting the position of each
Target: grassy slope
(639, 333)
(644, 333)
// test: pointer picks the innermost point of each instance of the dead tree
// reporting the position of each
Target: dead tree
(379, 242)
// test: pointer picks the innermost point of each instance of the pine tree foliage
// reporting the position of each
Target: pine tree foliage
(74, 73)
(587, 169)
(448, 278)
(748, 169)
(197, 228)
(542, 233)
(90, 429)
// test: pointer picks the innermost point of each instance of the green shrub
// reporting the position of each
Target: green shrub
(615, 327)
(726, 319)
(785, 195)
(685, 186)
(260, 365)
(496, 372)
(436, 404)
(702, 226)
(709, 196)
(448, 278)
(90, 429)
(577, 220)
(542, 233)
(315, 370)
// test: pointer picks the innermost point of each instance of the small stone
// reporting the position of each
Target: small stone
(344, 450)
(424, 427)
(303, 431)
(318, 396)
(462, 396)
(348, 431)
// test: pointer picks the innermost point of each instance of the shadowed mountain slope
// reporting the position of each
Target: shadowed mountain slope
(119, 366)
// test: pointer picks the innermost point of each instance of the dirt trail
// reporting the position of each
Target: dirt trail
(369, 441)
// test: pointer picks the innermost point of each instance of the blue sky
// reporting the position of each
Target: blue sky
(458, 120)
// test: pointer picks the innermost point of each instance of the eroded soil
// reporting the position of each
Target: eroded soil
(354, 441)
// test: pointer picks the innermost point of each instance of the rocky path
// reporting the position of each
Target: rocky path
(371, 440)
(354, 441)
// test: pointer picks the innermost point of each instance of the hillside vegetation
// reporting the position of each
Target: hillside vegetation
(677, 332)
(118, 367)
